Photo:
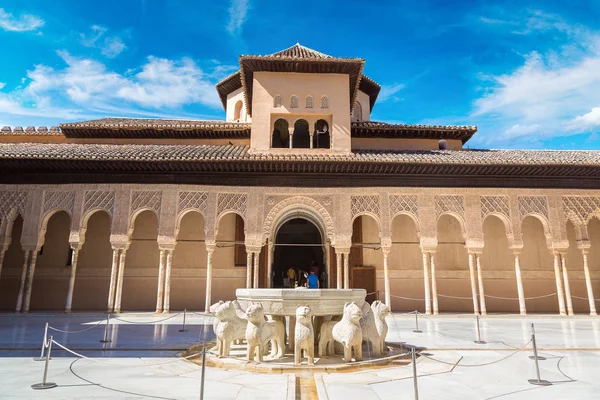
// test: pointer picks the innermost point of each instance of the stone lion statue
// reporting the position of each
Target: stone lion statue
(369, 329)
(380, 311)
(230, 327)
(304, 339)
(326, 342)
(348, 333)
(259, 332)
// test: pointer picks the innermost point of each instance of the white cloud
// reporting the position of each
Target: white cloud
(388, 92)
(238, 11)
(109, 45)
(2, 84)
(590, 120)
(23, 23)
(517, 130)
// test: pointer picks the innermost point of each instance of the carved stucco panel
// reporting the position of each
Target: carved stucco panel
(146, 199)
(237, 202)
(365, 204)
(58, 200)
(99, 199)
(11, 203)
(580, 209)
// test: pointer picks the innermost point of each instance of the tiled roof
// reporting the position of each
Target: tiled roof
(30, 130)
(373, 129)
(299, 51)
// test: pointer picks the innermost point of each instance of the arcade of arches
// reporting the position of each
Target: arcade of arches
(169, 248)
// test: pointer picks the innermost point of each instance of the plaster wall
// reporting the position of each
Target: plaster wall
(232, 99)
(401, 144)
(267, 85)
(365, 102)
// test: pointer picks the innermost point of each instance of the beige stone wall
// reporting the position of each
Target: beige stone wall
(365, 104)
(232, 99)
(401, 144)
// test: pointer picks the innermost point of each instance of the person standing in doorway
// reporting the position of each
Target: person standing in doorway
(291, 277)
(313, 280)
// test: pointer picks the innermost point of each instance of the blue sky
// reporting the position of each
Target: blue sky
(527, 75)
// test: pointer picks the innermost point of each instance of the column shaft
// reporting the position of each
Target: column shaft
(270, 266)
(522, 308)
(482, 307)
(22, 283)
(69, 302)
(386, 279)
(29, 282)
(160, 291)
(256, 269)
(2, 252)
(346, 271)
(167, 301)
(120, 277)
(434, 295)
(248, 269)
(588, 283)
(208, 300)
(559, 286)
(113, 280)
(426, 283)
(340, 276)
(563, 259)
(473, 284)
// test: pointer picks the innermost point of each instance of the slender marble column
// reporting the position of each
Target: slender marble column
(29, 282)
(426, 283)
(482, 307)
(167, 301)
(338, 261)
(270, 266)
(22, 284)
(160, 292)
(311, 140)
(386, 278)
(248, 269)
(346, 271)
(559, 286)
(75, 251)
(434, 295)
(473, 284)
(120, 277)
(113, 280)
(588, 282)
(209, 256)
(256, 269)
(563, 259)
(522, 308)
(2, 252)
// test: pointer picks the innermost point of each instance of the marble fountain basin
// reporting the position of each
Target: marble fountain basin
(284, 302)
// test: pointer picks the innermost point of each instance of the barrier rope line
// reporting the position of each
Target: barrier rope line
(456, 297)
(407, 298)
(517, 299)
(583, 298)
(82, 330)
(147, 322)
(457, 364)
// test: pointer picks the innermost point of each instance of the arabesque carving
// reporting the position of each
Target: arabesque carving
(60, 199)
(400, 204)
(237, 202)
(533, 205)
(192, 201)
(11, 201)
(150, 199)
(495, 205)
(581, 209)
(99, 199)
(450, 204)
(365, 204)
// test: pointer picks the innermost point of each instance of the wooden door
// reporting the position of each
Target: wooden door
(364, 278)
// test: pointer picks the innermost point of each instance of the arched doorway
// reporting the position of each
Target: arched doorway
(281, 134)
(301, 139)
(298, 245)
(321, 138)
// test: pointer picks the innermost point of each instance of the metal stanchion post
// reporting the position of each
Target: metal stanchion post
(416, 330)
(106, 338)
(535, 355)
(183, 328)
(44, 384)
(479, 341)
(537, 381)
(414, 364)
(202, 376)
(44, 341)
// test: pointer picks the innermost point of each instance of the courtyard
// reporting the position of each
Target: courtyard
(143, 360)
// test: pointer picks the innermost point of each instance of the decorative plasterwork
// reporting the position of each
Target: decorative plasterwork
(12, 201)
(450, 204)
(99, 199)
(404, 204)
(192, 201)
(301, 204)
(237, 202)
(59, 200)
(495, 205)
(365, 204)
(580, 209)
(533, 205)
(150, 199)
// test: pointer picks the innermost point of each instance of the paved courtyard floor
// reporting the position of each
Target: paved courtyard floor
(141, 360)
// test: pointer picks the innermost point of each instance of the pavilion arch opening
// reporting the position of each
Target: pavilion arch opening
(94, 265)
(281, 135)
(576, 274)
(53, 267)
(593, 229)
(498, 266)
(405, 262)
(229, 258)
(237, 112)
(298, 245)
(322, 136)
(452, 266)
(140, 281)
(11, 267)
(365, 255)
(301, 138)
(537, 267)
(356, 112)
(188, 273)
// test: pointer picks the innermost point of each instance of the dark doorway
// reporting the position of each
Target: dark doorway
(301, 135)
(298, 245)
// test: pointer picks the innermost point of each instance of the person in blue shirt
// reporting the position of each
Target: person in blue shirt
(313, 280)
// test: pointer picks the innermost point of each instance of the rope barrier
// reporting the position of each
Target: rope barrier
(455, 297)
(83, 330)
(147, 322)
(407, 298)
(457, 364)
(584, 298)
(517, 299)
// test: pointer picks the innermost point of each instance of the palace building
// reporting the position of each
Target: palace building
(125, 214)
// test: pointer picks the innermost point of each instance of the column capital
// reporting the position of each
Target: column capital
(516, 250)
(584, 245)
(386, 250)
(253, 249)
(210, 246)
(475, 250)
(76, 246)
(342, 250)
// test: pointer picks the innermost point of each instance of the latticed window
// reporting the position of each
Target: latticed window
(277, 101)
(294, 102)
(309, 102)
(324, 102)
